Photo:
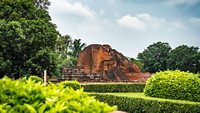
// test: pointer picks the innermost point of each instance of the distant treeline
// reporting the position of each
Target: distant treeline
(160, 56)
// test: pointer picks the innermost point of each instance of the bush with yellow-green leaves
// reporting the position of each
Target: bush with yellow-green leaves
(72, 84)
(34, 78)
(174, 85)
(30, 97)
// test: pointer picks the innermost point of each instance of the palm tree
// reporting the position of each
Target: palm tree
(63, 44)
(76, 47)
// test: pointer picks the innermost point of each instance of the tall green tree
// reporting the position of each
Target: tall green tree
(75, 48)
(11, 47)
(155, 57)
(14, 10)
(27, 38)
(62, 48)
(184, 58)
(63, 45)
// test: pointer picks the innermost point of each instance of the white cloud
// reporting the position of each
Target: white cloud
(145, 21)
(77, 8)
(131, 22)
(195, 21)
(112, 1)
(141, 21)
(183, 2)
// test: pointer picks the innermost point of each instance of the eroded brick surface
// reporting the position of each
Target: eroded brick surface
(109, 64)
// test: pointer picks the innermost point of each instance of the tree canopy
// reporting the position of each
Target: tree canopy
(14, 10)
(74, 50)
(76, 47)
(27, 38)
(155, 57)
(184, 58)
(159, 56)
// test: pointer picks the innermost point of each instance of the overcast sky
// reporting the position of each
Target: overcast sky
(129, 25)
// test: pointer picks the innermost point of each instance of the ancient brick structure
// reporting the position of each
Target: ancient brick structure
(108, 63)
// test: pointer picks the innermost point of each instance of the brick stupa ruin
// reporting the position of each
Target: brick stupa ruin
(102, 63)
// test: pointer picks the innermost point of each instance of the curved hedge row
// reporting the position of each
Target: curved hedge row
(174, 85)
(111, 87)
(30, 97)
(151, 105)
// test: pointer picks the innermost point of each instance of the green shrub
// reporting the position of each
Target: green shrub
(110, 87)
(198, 75)
(24, 79)
(31, 97)
(34, 78)
(149, 105)
(72, 84)
(174, 85)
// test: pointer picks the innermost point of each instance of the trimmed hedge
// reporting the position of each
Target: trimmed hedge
(176, 84)
(30, 97)
(110, 87)
(151, 105)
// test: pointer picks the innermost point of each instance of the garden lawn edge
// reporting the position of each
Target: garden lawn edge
(143, 104)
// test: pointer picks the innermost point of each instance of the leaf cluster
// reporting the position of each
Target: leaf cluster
(159, 57)
(31, 97)
(27, 38)
(72, 84)
(155, 57)
(33, 78)
(174, 85)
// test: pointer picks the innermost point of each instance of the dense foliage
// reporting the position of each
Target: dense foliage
(184, 58)
(15, 10)
(159, 57)
(155, 57)
(31, 97)
(74, 50)
(174, 85)
(33, 78)
(62, 45)
(68, 51)
(148, 105)
(29, 42)
(119, 87)
(72, 84)
(76, 47)
(27, 38)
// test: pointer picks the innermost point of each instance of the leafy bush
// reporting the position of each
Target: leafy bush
(148, 105)
(174, 85)
(121, 87)
(36, 79)
(31, 97)
(72, 84)
(198, 75)
(24, 79)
